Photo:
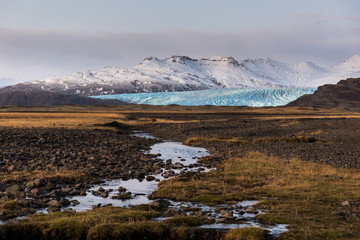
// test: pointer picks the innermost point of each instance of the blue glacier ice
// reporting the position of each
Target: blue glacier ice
(253, 97)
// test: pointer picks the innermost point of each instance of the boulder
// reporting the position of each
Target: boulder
(159, 204)
(54, 203)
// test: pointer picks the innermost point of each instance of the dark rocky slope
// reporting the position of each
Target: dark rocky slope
(345, 94)
(50, 99)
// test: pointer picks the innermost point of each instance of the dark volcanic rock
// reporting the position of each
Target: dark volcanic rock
(50, 99)
(345, 94)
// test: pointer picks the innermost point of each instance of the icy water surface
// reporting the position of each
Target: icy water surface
(243, 213)
(141, 189)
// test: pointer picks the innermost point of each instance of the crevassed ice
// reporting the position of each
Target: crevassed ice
(252, 97)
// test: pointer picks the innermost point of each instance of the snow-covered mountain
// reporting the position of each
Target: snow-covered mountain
(180, 73)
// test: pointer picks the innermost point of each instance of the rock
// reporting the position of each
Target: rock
(97, 206)
(150, 178)
(3, 187)
(74, 202)
(38, 182)
(54, 193)
(66, 190)
(122, 196)
(177, 165)
(53, 209)
(140, 175)
(251, 211)
(16, 190)
(11, 168)
(101, 189)
(69, 210)
(54, 203)
(226, 214)
(30, 185)
(64, 202)
(159, 204)
(121, 189)
(36, 192)
(74, 192)
(104, 194)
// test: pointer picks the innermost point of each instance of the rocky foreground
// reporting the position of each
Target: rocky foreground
(41, 166)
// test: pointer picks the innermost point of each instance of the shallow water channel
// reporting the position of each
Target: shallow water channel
(240, 215)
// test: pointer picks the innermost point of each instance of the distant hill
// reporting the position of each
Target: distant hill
(50, 99)
(345, 93)
(181, 73)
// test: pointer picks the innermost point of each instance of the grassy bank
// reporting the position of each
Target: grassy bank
(106, 223)
(317, 201)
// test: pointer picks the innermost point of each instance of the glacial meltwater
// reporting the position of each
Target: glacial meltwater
(182, 159)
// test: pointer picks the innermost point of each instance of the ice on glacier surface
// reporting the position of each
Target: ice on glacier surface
(253, 97)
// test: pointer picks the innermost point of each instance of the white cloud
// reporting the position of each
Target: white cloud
(28, 55)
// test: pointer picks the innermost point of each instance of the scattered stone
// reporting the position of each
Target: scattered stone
(64, 202)
(159, 204)
(74, 202)
(54, 203)
(150, 178)
(69, 210)
(38, 182)
(177, 165)
(104, 194)
(53, 209)
(16, 190)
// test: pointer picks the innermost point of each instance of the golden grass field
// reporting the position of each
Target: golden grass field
(89, 117)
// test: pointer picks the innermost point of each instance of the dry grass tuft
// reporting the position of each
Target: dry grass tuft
(197, 140)
(297, 139)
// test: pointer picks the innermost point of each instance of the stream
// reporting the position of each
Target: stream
(241, 215)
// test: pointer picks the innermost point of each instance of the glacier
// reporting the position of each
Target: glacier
(252, 97)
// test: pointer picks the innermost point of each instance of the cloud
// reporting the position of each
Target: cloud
(28, 55)
(310, 16)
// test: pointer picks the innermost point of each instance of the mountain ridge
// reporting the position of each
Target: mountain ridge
(182, 73)
(344, 94)
(51, 99)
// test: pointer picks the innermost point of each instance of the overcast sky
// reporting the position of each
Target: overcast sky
(39, 38)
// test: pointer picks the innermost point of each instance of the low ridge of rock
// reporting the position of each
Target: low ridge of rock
(344, 94)
(33, 98)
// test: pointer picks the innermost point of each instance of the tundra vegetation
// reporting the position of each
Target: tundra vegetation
(300, 163)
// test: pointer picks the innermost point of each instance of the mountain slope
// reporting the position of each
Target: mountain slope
(50, 99)
(180, 73)
(345, 93)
